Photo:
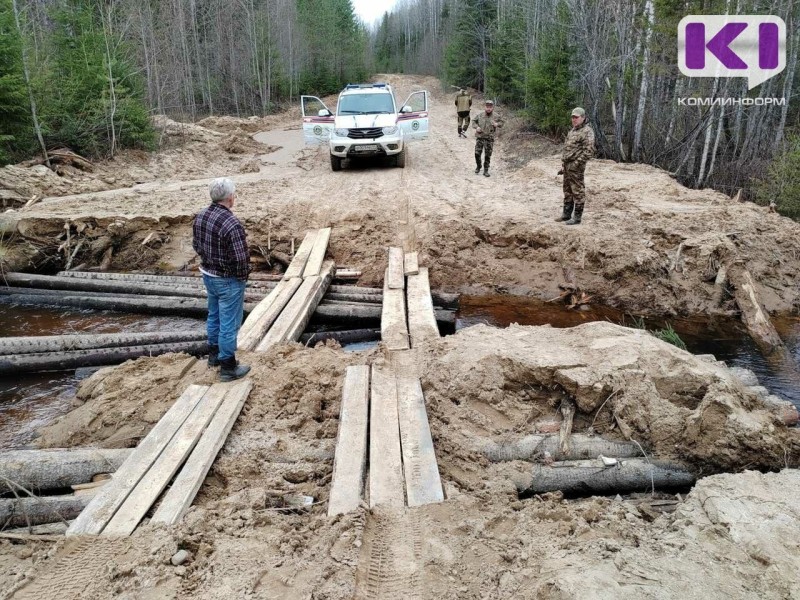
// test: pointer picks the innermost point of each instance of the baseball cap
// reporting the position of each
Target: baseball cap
(578, 112)
(490, 102)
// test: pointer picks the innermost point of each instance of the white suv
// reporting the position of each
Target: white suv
(367, 123)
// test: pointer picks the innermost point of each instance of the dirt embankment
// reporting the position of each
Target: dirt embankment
(647, 245)
(483, 542)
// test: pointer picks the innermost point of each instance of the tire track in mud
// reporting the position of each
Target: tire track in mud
(78, 565)
(390, 565)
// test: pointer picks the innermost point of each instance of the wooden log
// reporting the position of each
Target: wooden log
(754, 316)
(537, 447)
(385, 463)
(395, 272)
(314, 263)
(110, 497)
(23, 511)
(367, 313)
(350, 336)
(64, 361)
(292, 321)
(421, 318)
(149, 488)
(263, 316)
(394, 328)
(590, 477)
(355, 298)
(46, 282)
(423, 484)
(148, 305)
(145, 278)
(300, 259)
(37, 470)
(350, 460)
(186, 485)
(64, 343)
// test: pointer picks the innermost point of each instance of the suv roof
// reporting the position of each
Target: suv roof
(356, 88)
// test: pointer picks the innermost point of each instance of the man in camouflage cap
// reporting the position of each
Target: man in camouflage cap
(578, 149)
(463, 105)
(485, 124)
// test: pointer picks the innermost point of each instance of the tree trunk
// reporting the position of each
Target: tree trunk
(352, 336)
(534, 447)
(591, 477)
(59, 468)
(65, 361)
(20, 512)
(65, 343)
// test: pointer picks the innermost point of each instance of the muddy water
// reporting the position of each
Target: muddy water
(29, 402)
(726, 339)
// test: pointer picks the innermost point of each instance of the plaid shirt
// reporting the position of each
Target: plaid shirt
(221, 242)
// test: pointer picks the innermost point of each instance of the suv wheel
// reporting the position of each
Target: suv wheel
(400, 159)
(336, 163)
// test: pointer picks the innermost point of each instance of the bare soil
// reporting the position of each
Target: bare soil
(732, 536)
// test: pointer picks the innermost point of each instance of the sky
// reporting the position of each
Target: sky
(370, 10)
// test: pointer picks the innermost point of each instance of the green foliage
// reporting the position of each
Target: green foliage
(782, 183)
(335, 46)
(78, 106)
(466, 57)
(505, 75)
(14, 111)
(549, 82)
(669, 335)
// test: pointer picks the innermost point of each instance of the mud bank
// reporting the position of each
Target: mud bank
(483, 542)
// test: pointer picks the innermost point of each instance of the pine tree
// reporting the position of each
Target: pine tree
(14, 113)
(506, 72)
(549, 89)
(467, 54)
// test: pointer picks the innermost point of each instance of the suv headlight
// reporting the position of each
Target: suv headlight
(390, 130)
(341, 132)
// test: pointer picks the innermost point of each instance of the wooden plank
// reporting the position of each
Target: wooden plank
(421, 318)
(164, 468)
(183, 490)
(317, 256)
(266, 313)
(350, 461)
(385, 467)
(105, 504)
(394, 330)
(291, 323)
(298, 264)
(411, 263)
(397, 280)
(423, 484)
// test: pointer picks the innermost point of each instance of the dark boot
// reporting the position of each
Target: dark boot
(230, 370)
(213, 356)
(576, 216)
(567, 212)
(486, 172)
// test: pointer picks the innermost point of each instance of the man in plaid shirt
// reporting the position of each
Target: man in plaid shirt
(221, 242)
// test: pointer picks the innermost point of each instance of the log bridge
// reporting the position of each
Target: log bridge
(277, 311)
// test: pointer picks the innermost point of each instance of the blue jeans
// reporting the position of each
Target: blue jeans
(225, 310)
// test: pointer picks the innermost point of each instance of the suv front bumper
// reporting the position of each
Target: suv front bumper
(348, 148)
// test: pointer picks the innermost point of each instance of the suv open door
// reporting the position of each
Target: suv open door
(413, 117)
(317, 120)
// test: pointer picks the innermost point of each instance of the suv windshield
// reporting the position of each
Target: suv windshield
(366, 104)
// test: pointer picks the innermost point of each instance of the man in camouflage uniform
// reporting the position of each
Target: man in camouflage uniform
(578, 149)
(463, 104)
(485, 124)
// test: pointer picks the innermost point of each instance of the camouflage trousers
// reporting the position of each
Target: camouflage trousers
(482, 144)
(462, 118)
(574, 188)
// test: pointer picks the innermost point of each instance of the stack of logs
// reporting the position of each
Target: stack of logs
(165, 295)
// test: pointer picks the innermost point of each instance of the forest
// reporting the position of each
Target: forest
(86, 74)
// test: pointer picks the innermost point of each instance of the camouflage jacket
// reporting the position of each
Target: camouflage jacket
(485, 122)
(579, 146)
(463, 102)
